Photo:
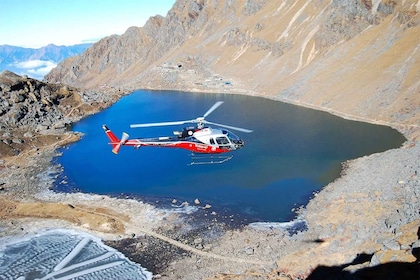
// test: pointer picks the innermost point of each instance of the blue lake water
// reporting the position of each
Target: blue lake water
(292, 153)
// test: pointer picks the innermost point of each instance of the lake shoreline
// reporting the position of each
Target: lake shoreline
(286, 159)
(268, 253)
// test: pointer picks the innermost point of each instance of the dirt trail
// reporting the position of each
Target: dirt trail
(179, 244)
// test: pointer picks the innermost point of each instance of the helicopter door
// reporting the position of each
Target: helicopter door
(223, 142)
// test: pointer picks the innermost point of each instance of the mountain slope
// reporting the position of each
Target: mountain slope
(359, 59)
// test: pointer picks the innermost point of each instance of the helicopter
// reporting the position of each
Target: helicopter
(200, 139)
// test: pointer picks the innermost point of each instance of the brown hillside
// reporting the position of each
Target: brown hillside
(359, 59)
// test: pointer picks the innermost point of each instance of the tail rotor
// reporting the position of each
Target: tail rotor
(115, 142)
(117, 147)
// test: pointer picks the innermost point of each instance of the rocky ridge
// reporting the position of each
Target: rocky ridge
(36, 113)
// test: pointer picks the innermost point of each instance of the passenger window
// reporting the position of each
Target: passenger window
(212, 141)
(222, 141)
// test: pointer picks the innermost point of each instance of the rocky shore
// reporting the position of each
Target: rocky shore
(365, 223)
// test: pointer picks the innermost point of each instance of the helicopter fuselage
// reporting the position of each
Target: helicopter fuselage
(205, 140)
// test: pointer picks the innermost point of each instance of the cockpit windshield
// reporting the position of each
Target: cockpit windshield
(232, 137)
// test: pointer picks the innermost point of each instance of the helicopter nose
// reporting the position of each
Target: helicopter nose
(239, 144)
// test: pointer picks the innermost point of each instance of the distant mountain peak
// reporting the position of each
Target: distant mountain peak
(18, 59)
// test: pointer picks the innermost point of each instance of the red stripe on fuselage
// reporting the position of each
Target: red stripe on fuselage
(191, 146)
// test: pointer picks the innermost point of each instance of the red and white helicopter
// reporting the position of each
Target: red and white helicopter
(199, 140)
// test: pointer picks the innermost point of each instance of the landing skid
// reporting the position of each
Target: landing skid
(209, 159)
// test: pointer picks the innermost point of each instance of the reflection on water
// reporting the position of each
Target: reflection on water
(292, 153)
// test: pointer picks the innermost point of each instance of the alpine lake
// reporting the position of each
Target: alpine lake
(292, 153)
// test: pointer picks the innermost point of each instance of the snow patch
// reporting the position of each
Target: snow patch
(291, 227)
(65, 254)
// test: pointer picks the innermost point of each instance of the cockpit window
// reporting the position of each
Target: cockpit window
(229, 141)
(232, 137)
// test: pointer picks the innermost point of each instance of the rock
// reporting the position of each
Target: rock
(6, 135)
(416, 244)
(18, 116)
(17, 141)
(20, 98)
(391, 245)
(64, 91)
(33, 97)
(47, 102)
(196, 201)
(59, 125)
(28, 134)
(42, 128)
(249, 251)
(387, 256)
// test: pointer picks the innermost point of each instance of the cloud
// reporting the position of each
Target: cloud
(30, 64)
(41, 71)
(36, 69)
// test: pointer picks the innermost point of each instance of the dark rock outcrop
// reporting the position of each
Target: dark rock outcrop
(31, 103)
(30, 108)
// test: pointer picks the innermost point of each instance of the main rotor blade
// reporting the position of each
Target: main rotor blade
(159, 124)
(231, 127)
(214, 107)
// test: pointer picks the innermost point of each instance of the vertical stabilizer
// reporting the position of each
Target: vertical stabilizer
(115, 142)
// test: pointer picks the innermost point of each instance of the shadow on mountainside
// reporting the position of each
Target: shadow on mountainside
(391, 271)
(387, 271)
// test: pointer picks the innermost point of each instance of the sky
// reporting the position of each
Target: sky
(37, 23)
